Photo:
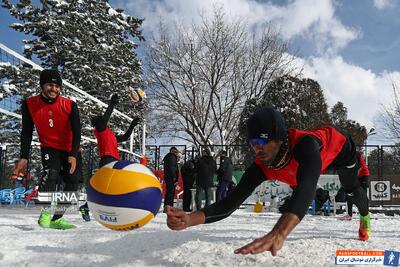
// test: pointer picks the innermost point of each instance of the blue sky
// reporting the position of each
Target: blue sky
(350, 47)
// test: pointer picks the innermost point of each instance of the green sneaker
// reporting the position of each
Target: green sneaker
(61, 224)
(44, 219)
(365, 227)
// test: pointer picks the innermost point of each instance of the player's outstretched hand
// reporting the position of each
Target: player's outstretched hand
(273, 242)
(177, 219)
(114, 99)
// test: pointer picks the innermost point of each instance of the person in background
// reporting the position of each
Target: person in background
(363, 179)
(205, 170)
(224, 175)
(188, 172)
(107, 141)
(171, 175)
(17, 178)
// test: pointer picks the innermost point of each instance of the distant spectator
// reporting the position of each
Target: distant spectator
(188, 177)
(224, 177)
(205, 170)
(171, 174)
(321, 196)
(17, 179)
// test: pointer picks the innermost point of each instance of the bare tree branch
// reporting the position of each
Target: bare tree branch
(201, 77)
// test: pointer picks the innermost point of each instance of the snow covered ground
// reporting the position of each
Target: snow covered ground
(313, 243)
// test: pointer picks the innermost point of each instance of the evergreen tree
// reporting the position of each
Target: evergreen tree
(89, 42)
(340, 121)
(301, 102)
(339, 114)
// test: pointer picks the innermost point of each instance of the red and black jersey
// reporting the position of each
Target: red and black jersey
(52, 121)
(107, 143)
(363, 170)
(331, 141)
(57, 123)
(312, 152)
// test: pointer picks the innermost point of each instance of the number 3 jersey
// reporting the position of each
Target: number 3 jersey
(52, 121)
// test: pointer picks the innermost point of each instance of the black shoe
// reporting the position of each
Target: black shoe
(84, 210)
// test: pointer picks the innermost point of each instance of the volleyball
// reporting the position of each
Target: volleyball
(123, 195)
(137, 95)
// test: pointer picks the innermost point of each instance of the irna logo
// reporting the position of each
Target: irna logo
(58, 196)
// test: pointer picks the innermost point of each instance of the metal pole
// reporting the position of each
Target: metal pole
(144, 138)
(131, 143)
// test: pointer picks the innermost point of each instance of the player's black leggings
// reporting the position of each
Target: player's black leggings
(350, 201)
(105, 160)
(347, 166)
(56, 167)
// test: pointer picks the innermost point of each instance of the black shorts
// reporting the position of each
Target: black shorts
(56, 170)
(105, 160)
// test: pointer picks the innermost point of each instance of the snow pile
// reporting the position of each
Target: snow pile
(313, 243)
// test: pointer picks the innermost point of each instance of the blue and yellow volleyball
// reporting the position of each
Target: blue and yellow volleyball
(137, 95)
(123, 195)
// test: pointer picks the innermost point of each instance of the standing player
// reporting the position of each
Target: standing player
(291, 156)
(57, 123)
(363, 175)
(107, 142)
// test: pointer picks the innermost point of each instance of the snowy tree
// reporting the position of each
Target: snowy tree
(395, 151)
(13, 79)
(91, 44)
(340, 121)
(390, 116)
(339, 114)
(388, 160)
(200, 77)
(301, 102)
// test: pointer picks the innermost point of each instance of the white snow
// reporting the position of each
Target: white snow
(8, 87)
(313, 243)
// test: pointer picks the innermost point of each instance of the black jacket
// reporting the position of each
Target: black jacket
(188, 173)
(225, 169)
(205, 170)
(171, 170)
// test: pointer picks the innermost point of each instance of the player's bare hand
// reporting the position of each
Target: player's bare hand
(72, 161)
(177, 219)
(272, 242)
(20, 167)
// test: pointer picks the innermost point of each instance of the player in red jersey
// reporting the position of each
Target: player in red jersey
(291, 156)
(58, 126)
(107, 141)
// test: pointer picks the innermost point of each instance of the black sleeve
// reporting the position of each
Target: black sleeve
(102, 123)
(251, 178)
(76, 130)
(307, 153)
(170, 164)
(125, 136)
(27, 130)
